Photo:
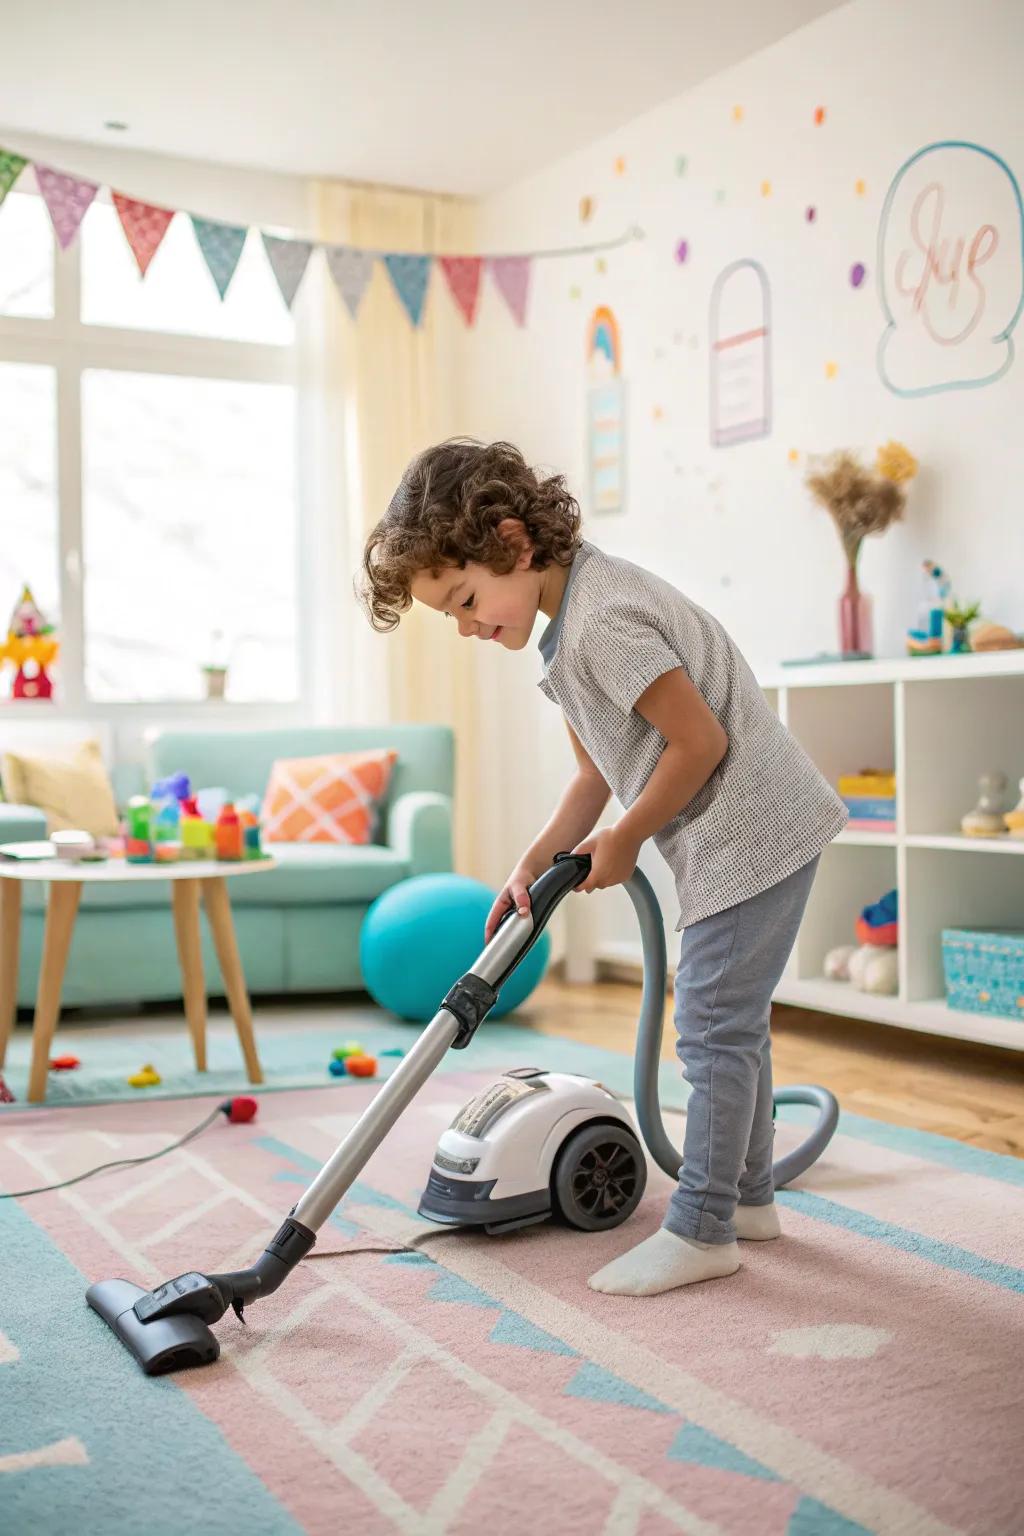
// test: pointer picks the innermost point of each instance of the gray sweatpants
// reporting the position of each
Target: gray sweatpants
(729, 966)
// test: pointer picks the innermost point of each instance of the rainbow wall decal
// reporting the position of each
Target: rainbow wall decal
(606, 414)
(603, 339)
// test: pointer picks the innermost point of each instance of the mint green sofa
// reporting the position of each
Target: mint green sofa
(298, 926)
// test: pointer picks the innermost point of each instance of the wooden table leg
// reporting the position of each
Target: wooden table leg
(185, 899)
(10, 940)
(218, 910)
(61, 910)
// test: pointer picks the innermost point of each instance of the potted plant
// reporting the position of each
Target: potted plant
(860, 501)
(959, 618)
(215, 669)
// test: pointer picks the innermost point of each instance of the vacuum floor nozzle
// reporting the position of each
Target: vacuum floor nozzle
(165, 1344)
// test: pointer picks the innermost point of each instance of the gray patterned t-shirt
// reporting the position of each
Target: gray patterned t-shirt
(765, 812)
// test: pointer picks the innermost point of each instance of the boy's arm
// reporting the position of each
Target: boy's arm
(695, 744)
(576, 814)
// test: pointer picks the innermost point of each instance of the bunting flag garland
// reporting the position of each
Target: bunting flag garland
(144, 227)
(221, 245)
(512, 275)
(410, 275)
(11, 167)
(67, 199)
(351, 271)
(289, 260)
(463, 274)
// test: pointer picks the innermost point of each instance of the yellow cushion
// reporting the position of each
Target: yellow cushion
(328, 799)
(73, 791)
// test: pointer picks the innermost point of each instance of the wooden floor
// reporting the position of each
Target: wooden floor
(973, 1093)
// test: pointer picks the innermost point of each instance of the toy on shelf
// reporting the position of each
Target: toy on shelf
(31, 646)
(1015, 819)
(926, 639)
(870, 798)
(878, 924)
(146, 1077)
(987, 819)
(873, 964)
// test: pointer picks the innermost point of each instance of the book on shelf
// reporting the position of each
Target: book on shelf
(873, 808)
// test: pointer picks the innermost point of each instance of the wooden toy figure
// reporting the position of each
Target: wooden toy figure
(986, 820)
(31, 646)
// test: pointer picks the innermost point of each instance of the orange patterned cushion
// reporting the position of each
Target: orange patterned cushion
(328, 799)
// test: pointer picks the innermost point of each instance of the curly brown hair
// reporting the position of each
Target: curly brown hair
(446, 512)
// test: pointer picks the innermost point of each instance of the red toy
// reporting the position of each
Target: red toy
(6, 1096)
(361, 1066)
(64, 1063)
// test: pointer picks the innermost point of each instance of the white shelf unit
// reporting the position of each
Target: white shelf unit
(940, 722)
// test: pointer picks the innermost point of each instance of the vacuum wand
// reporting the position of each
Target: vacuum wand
(168, 1328)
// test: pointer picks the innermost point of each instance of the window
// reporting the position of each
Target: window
(169, 538)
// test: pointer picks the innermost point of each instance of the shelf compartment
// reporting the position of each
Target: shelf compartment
(956, 730)
(850, 877)
(946, 889)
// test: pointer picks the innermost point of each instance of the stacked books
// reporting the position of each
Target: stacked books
(870, 799)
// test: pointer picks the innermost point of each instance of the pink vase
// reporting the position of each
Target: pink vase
(855, 631)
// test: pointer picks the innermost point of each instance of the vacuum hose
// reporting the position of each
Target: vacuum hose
(648, 1057)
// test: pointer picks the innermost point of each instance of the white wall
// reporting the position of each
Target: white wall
(735, 528)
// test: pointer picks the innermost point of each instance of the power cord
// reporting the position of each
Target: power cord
(238, 1111)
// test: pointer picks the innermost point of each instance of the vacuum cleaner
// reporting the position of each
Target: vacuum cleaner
(532, 1146)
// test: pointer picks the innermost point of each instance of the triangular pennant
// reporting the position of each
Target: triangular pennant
(451, 1287)
(703, 1449)
(67, 199)
(813, 1519)
(513, 1329)
(11, 167)
(410, 275)
(351, 271)
(221, 245)
(144, 227)
(463, 274)
(601, 1386)
(288, 260)
(512, 275)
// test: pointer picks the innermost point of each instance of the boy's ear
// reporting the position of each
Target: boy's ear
(514, 533)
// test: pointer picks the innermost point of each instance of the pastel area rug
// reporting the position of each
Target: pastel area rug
(863, 1374)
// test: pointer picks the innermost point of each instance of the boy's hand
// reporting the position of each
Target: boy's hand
(613, 858)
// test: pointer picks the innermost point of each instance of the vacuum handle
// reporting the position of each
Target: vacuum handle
(567, 871)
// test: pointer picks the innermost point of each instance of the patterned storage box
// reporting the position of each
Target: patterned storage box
(984, 970)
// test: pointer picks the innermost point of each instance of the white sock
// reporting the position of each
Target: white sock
(757, 1223)
(663, 1261)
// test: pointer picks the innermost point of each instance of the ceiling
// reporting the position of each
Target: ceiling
(461, 96)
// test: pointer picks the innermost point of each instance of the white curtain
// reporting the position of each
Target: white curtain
(377, 391)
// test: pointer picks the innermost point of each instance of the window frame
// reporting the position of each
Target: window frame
(70, 347)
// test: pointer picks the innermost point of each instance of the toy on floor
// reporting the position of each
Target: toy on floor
(336, 1067)
(395, 1050)
(1015, 819)
(147, 1077)
(986, 820)
(64, 1063)
(361, 1066)
(6, 1096)
(873, 964)
(350, 1048)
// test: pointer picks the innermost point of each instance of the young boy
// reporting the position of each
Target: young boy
(662, 711)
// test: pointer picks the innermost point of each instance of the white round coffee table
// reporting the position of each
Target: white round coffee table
(189, 880)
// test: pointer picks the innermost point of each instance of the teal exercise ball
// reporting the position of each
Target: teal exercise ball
(422, 934)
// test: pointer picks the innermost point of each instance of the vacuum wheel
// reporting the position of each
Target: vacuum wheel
(599, 1177)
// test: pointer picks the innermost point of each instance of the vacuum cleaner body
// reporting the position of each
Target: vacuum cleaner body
(494, 1166)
